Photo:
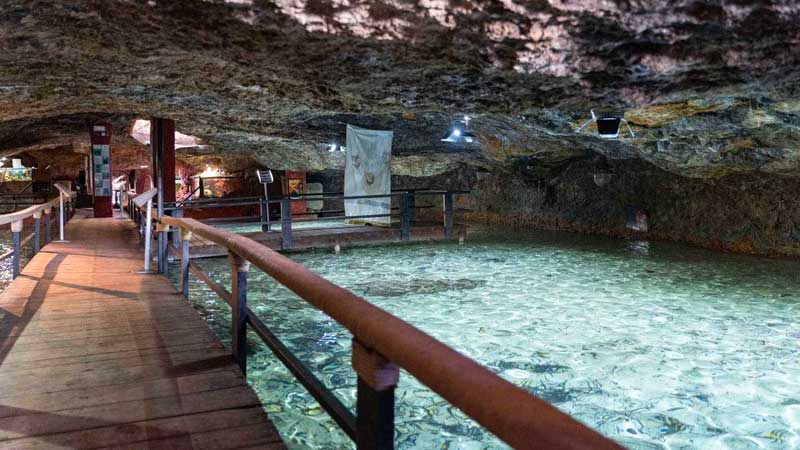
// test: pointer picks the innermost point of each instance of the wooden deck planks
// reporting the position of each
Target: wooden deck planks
(93, 355)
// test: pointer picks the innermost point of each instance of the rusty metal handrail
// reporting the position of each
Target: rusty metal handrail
(514, 415)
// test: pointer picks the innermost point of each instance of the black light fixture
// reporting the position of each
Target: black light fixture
(459, 133)
(334, 147)
(608, 125)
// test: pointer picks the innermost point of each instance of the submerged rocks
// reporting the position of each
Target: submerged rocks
(416, 287)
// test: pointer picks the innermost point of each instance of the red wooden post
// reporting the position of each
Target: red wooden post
(162, 136)
(101, 168)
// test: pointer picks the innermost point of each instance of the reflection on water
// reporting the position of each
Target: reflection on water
(654, 344)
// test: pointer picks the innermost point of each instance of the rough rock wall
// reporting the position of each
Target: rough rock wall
(744, 213)
(710, 86)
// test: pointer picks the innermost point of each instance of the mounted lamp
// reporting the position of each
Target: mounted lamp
(608, 125)
(459, 133)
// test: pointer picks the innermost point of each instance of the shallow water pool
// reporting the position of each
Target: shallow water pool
(656, 345)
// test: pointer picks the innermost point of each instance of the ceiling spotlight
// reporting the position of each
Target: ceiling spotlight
(607, 125)
(459, 133)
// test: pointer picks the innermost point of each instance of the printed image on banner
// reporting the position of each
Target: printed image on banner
(367, 173)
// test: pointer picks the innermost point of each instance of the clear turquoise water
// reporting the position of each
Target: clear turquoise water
(654, 344)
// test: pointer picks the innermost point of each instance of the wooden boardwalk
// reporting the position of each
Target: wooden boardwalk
(93, 355)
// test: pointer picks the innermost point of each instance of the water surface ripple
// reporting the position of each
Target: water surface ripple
(657, 345)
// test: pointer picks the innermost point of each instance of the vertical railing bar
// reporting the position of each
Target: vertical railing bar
(405, 217)
(61, 216)
(377, 379)
(163, 251)
(448, 215)
(286, 224)
(412, 207)
(37, 222)
(265, 225)
(374, 418)
(239, 268)
(185, 264)
(148, 237)
(16, 229)
(47, 225)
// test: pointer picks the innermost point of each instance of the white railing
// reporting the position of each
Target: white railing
(140, 210)
(40, 212)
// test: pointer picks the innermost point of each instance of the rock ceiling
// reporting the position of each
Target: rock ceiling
(710, 87)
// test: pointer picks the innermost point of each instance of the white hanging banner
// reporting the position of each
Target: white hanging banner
(367, 171)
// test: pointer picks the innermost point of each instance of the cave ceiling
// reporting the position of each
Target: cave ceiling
(710, 87)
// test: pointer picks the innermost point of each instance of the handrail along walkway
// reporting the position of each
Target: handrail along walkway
(405, 211)
(383, 343)
(37, 212)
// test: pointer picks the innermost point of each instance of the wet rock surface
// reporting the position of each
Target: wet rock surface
(709, 87)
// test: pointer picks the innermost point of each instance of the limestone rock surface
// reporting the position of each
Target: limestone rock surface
(709, 86)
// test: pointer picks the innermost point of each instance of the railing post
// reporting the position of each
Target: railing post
(185, 263)
(239, 268)
(405, 216)
(448, 215)
(176, 232)
(61, 216)
(265, 225)
(286, 224)
(161, 250)
(148, 237)
(47, 226)
(412, 207)
(37, 223)
(16, 229)
(377, 379)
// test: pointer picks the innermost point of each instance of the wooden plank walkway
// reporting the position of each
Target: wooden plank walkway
(93, 355)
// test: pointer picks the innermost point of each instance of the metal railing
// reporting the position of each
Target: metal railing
(140, 210)
(65, 204)
(382, 344)
(406, 210)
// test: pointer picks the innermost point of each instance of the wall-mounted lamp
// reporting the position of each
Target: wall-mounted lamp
(607, 125)
(459, 133)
